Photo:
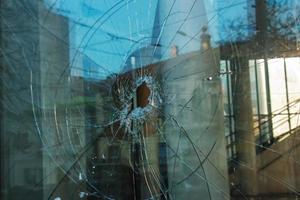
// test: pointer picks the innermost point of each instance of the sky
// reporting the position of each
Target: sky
(108, 31)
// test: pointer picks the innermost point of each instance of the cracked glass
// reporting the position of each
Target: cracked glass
(149, 99)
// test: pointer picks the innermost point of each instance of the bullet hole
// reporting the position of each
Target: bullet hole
(142, 93)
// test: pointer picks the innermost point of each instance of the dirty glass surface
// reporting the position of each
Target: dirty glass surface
(149, 99)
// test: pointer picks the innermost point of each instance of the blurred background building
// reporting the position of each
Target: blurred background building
(149, 100)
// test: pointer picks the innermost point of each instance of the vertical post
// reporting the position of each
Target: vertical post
(287, 96)
(262, 22)
(229, 108)
(245, 140)
(269, 104)
(258, 102)
(261, 14)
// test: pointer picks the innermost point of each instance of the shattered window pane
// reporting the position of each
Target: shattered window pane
(182, 99)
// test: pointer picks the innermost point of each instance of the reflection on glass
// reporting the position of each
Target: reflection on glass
(149, 100)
